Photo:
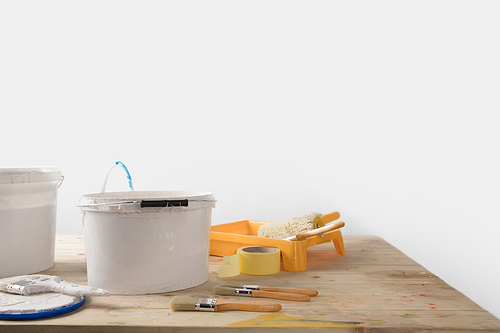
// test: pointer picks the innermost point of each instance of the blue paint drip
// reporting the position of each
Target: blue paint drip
(103, 188)
(128, 174)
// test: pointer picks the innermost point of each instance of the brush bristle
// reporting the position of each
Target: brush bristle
(235, 286)
(284, 229)
(183, 303)
(224, 290)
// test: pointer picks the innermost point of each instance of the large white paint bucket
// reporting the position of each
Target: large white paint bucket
(28, 206)
(147, 242)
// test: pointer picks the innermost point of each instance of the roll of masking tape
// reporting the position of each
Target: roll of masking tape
(253, 260)
(258, 260)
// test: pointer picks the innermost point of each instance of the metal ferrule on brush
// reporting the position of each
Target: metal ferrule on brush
(205, 304)
(18, 287)
(243, 292)
(251, 286)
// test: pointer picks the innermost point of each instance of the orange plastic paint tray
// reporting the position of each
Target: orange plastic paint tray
(226, 239)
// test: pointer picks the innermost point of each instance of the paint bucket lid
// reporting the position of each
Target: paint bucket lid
(29, 175)
(37, 306)
(144, 201)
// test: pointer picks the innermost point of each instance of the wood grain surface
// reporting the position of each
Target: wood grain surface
(373, 288)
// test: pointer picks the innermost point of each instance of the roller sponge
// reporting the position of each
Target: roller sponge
(284, 229)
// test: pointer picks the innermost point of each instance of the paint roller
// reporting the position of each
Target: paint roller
(300, 228)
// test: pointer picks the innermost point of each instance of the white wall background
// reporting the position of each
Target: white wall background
(383, 110)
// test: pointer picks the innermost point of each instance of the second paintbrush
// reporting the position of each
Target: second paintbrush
(228, 291)
(304, 291)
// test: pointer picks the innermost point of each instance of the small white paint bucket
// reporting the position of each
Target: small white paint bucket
(28, 209)
(147, 242)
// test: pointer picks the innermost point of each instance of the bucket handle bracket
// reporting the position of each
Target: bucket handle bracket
(60, 181)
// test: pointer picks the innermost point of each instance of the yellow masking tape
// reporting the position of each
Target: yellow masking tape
(252, 260)
(258, 260)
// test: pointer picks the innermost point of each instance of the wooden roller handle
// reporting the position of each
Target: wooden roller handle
(303, 291)
(283, 296)
(318, 231)
(247, 306)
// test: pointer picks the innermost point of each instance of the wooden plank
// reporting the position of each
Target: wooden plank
(373, 287)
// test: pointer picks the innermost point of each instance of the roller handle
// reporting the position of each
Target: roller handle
(247, 306)
(318, 231)
(325, 218)
(283, 296)
(303, 291)
(330, 217)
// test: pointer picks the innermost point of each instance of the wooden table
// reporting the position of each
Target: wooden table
(374, 287)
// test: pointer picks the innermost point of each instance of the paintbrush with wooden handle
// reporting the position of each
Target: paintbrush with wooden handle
(314, 232)
(303, 291)
(228, 291)
(183, 303)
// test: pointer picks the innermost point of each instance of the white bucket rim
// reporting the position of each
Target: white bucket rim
(29, 175)
(134, 201)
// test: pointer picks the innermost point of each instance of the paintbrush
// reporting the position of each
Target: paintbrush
(38, 283)
(303, 291)
(183, 303)
(229, 291)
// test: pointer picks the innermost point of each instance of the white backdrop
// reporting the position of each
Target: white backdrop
(384, 111)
